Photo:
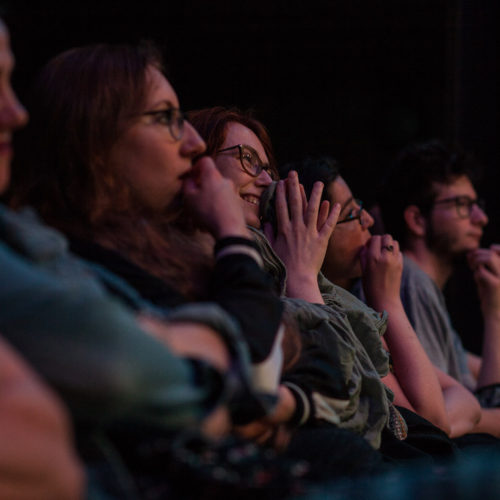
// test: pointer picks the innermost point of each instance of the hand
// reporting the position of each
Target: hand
(302, 233)
(382, 265)
(485, 265)
(192, 340)
(273, 429)
(213, 202)
(197, 341)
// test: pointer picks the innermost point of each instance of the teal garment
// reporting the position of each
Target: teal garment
(346, 334)
(88, 346)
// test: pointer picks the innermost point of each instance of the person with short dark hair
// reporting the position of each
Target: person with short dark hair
(430, 203)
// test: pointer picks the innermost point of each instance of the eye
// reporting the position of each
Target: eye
(464, 202)
(164, 116)
(247, 156)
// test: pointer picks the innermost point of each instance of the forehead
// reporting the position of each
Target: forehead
(339, 191)
(160, 90)
(236, 133)
(460, 186)
(6, 59)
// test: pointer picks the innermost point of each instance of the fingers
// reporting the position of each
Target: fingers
(282, 215)
(486, 258)
(294, 196)
(331, 221)
(311, 215)
(324, 211)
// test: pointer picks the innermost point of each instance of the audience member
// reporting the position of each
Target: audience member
(430, 204)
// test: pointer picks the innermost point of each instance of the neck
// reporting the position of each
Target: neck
(438, 267)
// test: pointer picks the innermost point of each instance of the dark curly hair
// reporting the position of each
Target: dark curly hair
(412, 179)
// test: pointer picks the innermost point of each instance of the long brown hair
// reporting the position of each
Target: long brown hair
(211, 124)
(81, 104)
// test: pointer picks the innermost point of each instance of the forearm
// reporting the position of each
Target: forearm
(413, 369)
(490, 422)
(463, 410)
(244, 290)
(489, 372)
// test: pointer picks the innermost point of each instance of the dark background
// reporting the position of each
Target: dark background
(356, 79)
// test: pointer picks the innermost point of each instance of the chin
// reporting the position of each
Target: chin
(252, 219)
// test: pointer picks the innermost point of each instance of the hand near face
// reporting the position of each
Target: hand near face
(302, 234)
(382, 265)
(485, 264)
(212, 201)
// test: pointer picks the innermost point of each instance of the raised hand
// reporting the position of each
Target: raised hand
(213, 202)
(382, 265)
(485, 264)
(302, 234)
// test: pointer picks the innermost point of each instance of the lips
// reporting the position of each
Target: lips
(252, 199)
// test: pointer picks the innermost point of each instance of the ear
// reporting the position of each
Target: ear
(415, 221)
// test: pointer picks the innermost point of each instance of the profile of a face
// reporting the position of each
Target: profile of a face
(342, 264)
(229, 163)
(154, 154)
(12, 113)
(448, 231)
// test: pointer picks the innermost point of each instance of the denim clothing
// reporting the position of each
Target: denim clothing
(88, 346)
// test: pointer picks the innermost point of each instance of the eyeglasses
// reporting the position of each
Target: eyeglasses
(173, 118)
(250, 161)
(463, 205)
(354, 213)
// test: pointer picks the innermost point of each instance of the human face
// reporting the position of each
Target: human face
(249, 188)
(342, 264)
(12, 114)
(150, 159)
(447, 233)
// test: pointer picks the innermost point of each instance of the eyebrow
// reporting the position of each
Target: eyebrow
(165, 102)
(349, 200)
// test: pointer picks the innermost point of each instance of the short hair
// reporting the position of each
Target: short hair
(412, 179)
(211, 124)
(311, 170)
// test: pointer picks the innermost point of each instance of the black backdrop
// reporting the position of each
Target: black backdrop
(356, 79)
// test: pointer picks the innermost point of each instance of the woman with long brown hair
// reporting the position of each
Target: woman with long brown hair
(110, 160)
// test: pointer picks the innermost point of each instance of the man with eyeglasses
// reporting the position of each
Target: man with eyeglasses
(429, 204)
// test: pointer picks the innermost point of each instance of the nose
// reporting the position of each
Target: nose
(192, 144)
(478, 215)
(366, 219)
(263, 179)
(12, 113)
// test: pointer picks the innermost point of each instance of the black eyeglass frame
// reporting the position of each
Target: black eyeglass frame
(174, 118)
(260, 166)
(359, 211)
(461, 202)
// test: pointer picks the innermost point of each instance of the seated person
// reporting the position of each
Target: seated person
(354, 393)
(101, 354)
(353, 253)
(119, 183)
(430, 204)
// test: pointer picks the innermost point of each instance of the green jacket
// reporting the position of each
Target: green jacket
(343, 359)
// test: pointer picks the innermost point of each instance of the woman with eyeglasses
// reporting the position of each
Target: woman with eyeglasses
(354, 394)
(109, 160)
(353, 253)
